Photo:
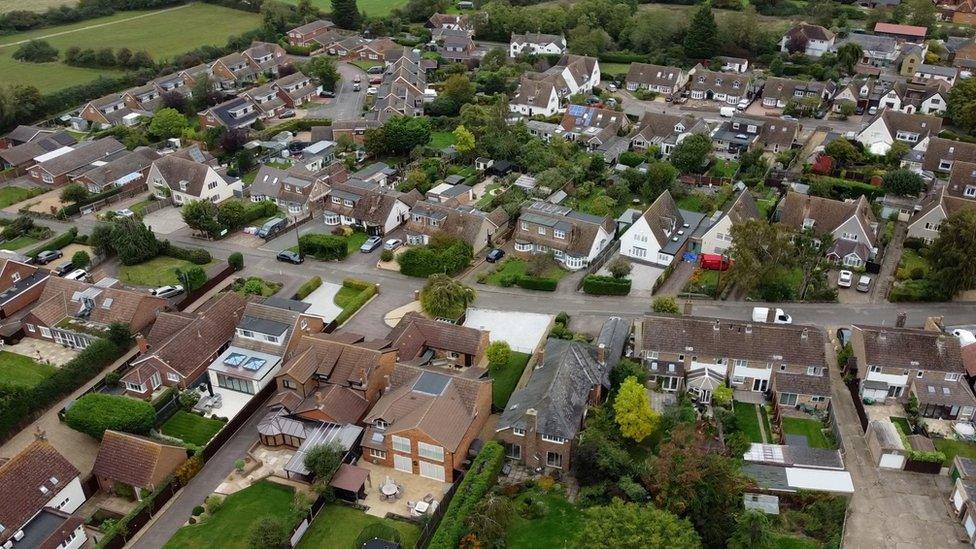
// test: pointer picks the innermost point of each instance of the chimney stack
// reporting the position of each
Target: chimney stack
(805, 333)
(687, 308)
(39, 434)
(601, 354)
(142, 344)
(901, 320)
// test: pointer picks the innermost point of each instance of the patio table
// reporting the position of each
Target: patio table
(388, 489)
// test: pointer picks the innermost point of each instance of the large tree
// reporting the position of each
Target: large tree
(903, 183)
(758, 248)
(633, 525)
(953, 254)
(445, 297)
(201, 215)
(701, 40)
(398, 136)
(962, 104)
(632, 411)
(345, 14)
(753, 530)
(849, 55)
(167, 122)
(323, 69)
(133, 241)
(691, 155)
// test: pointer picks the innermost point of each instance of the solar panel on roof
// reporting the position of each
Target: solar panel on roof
(431, 383)
(576, 110)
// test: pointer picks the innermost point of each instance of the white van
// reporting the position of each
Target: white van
(77, 274)
(760, 314)
(727, 112)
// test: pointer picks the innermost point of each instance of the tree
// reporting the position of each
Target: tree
(961, 107)
(445, 297)
(201, 215)
(323, 69)
(753, 530)
(398, 136)
(175, 100)
(665, 304)
(36, 51)
(843, 152)
(498, 353)
(119, 334)
(491, 517)
(232, 214)
(619, 268)
(758, 249)
(101, 239)
(193, 277)
(80, 259)
(849, 55)
(701, 40)
(204, 94)
(345, 14)
(167, 123)
(632, 525)
(953, 254)
(903, 183)
(458, 88)
(74, 192)
(632, 411)
(233, 140)
(305, 11)
(133, 242)
(266, 533)
(275, 18)
(236, 260)
(463, 141)
(625, 369)
(691, 155)
(921, 13)
(323, 460)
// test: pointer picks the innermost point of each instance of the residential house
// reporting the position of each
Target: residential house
(425, 342)
(540, 424)
(296, 189)
(965, 60)
(717, 238)
(133, 461)
(266, 57)
(143, 98)
(20, 286)
(23, 155)
(39, 491)
(936, 72)
(896, 363)
(787, 360)
(851, 225)
(24, 134)
(450, 21)
(429, 218)
(575, 74)
(812, 40)
(721, 87)
(426, 420)
(920, 96)
(304, 35)
(910, 58)
(174, 83)
(57, 167)
(745, 133)
(185, 180)
(879, 51)
(345, 48)
(533, 43)
(180, 346)
(574, 238)
(233, 71)
(129, 170)
(661, 234)
(594, 128)
(75, 313)
(890, 125)
(266, 101)
(110, 110)
(665, 131)
(367, 206)
(907, 33)
(536, 97)
(239, 113)
(956, 195)
(403, 90)
(780, 92)
(296, 89)
(963, 500)
(733, 64)
(377, 173)
(458, 49)
(656, 78)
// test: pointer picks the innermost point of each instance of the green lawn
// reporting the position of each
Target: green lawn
(22, 371)
(515, 267)
(156, 272)
(724, 168)
(373, 8)
(910, 261)
(953, 448)
(745, 415)
(339, 526)
(18, 243)
(228, 528)
(268, 287)
(558, 528)
(439, 140)
(506, 377)
(903, 423)
(786, 541)
(614, 68)
(192, 428)
(354, 241)
(365, 64)
(198, 24)
(139, 207)
(703, 281)
(810, 428)
(691, 202)
(344, 296)
(12, 195)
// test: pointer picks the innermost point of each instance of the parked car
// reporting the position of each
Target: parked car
(790, 118)
(297, 146)
(378, 69)
(743, 104)
(63, 268)
(371, 90)
(873, 111)
(820, 115)
(392, 244)
(355, 87)
(859, 111)
(496, 254)
(371, 244)
(612, 87)
(77, 274)
(272, 227)
(715, 262)
(726, 112)
(48, 256)
(845, 279)
(843, 336)
(760, 314)
(287, 114)
(376, 79)
(167, 291)
(864, 283)
(289, 256)
(125, 212)
(326, 93)
(357, 79)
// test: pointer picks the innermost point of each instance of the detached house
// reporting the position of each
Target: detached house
(941, 154)
(110, 110)
(428, 218)
(923, 97)
(20, 286)
(656, 78)
(721, 87)
(185, 180)
(850, 224)
(889, 125)
(450, 21)
(239, 113)
(421, 341)
(717, 238)
(779, 92)
(665, 131)
(741, 134)
(574, 238)
(59, 166)
(661, 234)
(266, 101)
(536, 44)
(425, 421)
(374, 209)
(536, 97)
(879, 51)
(296, 89)
(956, 195)
(24, 155)
(295, 189)
(811, 40)
(305, 34)
(596, 129)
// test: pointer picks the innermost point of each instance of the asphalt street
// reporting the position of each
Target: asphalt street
(347, 104)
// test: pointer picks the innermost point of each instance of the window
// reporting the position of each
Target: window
(818, 399)
(525, 226)
(808, 223)
(876, 369)
(401, 444)
(542, 231)
(336, 200)
(174, 377)
(523, 247)
(212, 185)
(135, 387)
(738, 363)
(919, 374)
(430, 451)
(235, 384)
(553, 439)
(45, 332)
(30, 328)
(668, 383)
(813, 370)
(952, 376)
(513, 451)
(381, 454)
(970, 191)
(380, 424)
(945, 165)
(558, 234)
(518, 432)
(787, 399)
(554, 459)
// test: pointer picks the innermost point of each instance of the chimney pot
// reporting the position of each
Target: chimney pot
(601, 353)
(142, 344)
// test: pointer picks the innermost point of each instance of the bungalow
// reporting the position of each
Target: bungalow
(780, 92)
(540, 424)
(186, 180)
(425, 421)
(57, 167)
(304, 34)
(134, 461)
(428, 218)
(374, 50)
(936, 72)
(574, 238)
(39, 491)
(890, 125)
(592, 127)
(717, 238)
(957, 195)
(24, 134)
(721, 87)
(661, 234)
(377, 173)
(851, 225)
(424, 342)
(143, 98)
(450, 21)
(238, 113)
(74, 313)
(233, 71)
(665, 131)
(533, 43)
(811, 40)
(368, 206)
(179, 346)
(656, 78)
(23, 155)
(296, 188)
(129, 170)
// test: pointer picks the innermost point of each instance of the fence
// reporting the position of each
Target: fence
(99, 204)
(854, 386)
(438, 514)
(146, 512)
(598, 262)
(156, 205)
(213, 281)
(927, 467)
(704, 180)
(235, 423)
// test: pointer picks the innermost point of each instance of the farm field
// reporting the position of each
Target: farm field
(199, 25)
(33, 5)
(373, 8)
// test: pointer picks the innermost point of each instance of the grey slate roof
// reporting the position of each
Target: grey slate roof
(263, 326)
(613, 337)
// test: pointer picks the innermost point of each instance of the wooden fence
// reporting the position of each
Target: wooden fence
(213, 281)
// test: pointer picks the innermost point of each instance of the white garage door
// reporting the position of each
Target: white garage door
(957, 500)
(970, 526)
(892, 461)
(402, 463)
(430, 470)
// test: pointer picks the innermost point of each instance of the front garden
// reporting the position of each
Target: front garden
(254, 285)
(352, 296)
(340, 525)
(913, 275)
(538, 272)
(155, 272)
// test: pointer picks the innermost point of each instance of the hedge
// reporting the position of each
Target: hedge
(95, 413)
(323, 246)
(606, 285)
(57, 243)
(623, 57)
(259, 210)
(537, 283)
(449, 255)
(310, 286)
(915, 290)
(18, 404)
(480, 478)
(198, 256)
(366, 291)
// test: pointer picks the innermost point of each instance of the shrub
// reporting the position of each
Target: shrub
(197, 511)
(236, 261)
(57, 243)
(198, 256)
(310, 286)
(444, 254)
(480, 478)
(498, 353)
(323, 246)
(214, 502)
(605, 285)
(537, 283)
(665, 304)
(94, 413)
(36, 51)
(184, 473)
(80, 259)
(386, 255)
(189, 399)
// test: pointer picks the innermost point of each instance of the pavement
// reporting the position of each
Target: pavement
(347, 104)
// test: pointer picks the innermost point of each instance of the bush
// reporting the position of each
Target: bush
(214, 502)
(236, 261)
(57, 243)
(665, 304)
(94, 413)
(917, 291)
(605, 285)
(36, 51)
(323, 246)
(537, 283)
(310, 286)
(197, 511)
(198, 256)
(480, 478)
(444, 254)
(189, 399)
(386, 255)
(80, 259)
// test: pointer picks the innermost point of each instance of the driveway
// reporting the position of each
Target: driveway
(347, 104)
(165, 221)
(889, 263)
(642, 277)
(522, 331)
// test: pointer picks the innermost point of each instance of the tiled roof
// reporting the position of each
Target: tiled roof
(129, 458)
(111, 304)
(83, 155)
(653, 75)
(22, 479)
(906, 348)
(414, 333)
(343, 359)
(827, 213)
(581, 229)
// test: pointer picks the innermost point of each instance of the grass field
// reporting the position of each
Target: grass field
(158, 271)
(12, 195)
(21, 371)
(18, 243)
(514, 268)
(748, 421)
(228, 528)
(373, 8)
(810, 428)
(191, 428)
(506, 377)
(33, 5)
(953, 448)
(557, 529)
(339, 526)
(198, 24)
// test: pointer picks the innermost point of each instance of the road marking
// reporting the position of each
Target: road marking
(89, 27)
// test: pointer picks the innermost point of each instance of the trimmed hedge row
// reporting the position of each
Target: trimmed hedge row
(57, 243)
(366, 291)
(95, 413)
(310, 286)
(537, 283)
(450, 257)
(75, 209)
(323, 246)
(198, 256)
(915, 291)
(480, 478)
(606, 285)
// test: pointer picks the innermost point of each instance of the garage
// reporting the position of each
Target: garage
(402, 463)
(892, 461)
(431, 470)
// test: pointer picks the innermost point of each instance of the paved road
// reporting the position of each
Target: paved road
(347, 104)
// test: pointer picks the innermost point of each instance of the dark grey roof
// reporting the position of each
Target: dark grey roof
(263, 326)
(966, 466)
(613, 336)
(816, 458)
(45, 525)
(802, 384)
(768, 477)
(22, 284)
(290, 304)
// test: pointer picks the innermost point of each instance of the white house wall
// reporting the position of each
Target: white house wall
(711, 244)
(639, 235)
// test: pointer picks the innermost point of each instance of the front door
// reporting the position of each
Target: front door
(402, 463)
(895, 391)
(760, 385)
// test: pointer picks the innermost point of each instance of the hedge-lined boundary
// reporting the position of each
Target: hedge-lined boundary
(537, 283)
(480, 478)
(310, 286)
(366, 292)
(606, 285)
(57, 243)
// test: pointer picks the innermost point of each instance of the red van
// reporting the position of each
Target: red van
(715, 262)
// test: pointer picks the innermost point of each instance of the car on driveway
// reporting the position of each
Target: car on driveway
(371, 90)
(843, 336)
(48, 256)
(371, 244)
(289, 256)
(167, 291)
(864, 283)
(63, 268)
(378, 69)
(845, 279)
(392, 244)
(125, 212)
(77, 274)
(495, 255)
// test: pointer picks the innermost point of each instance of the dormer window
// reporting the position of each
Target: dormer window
(336, 200)
(808, 223)
(380, 424)
(735, 85)
(348, 203)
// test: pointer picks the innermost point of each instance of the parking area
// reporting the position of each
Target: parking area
(642, 277)
(522, 331)
(165, 221)
(851, 294)
(241, 238)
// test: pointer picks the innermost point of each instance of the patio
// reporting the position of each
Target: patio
(42, 351)
(414, 488)
(882, 412)
(264, 461)
(232, 402)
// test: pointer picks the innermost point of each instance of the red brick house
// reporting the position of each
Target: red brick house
(56, 168)
(304, 35)
(135, 461)
(20, 285)
(424, 341)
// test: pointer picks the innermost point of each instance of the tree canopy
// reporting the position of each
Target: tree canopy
(953, 254)
(632, 411)
(445, 297)
(691, 155)
(701, 40)
(632, 525)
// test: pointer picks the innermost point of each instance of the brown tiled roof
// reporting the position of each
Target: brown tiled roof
(287, 399)
(128, 458)
(662, 216)
(719, 82)
(82, 155)
(582, 229)
(175, 169)
(945, 149)
(969, 359)
(21, 479)
(827, 213)
(337, 404)
(963, 175)
(414, 333)
(58, 538)
(653, 75)
(373, 206)
(743, 208)
(784, 88)
(922, 124)
(56, 302)
(713, 337)
(166, 325)
(906, 348)
(810, 32)
(463, 221)
(342, 358)
(535, 92)
(945, 393)
(802, 384)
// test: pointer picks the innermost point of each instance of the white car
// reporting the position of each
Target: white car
(125, 212)
(167, 291)
(864, 283)
(371, 90)
(392, 244)
(845, 279)
(612, 87)
(77, 274)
